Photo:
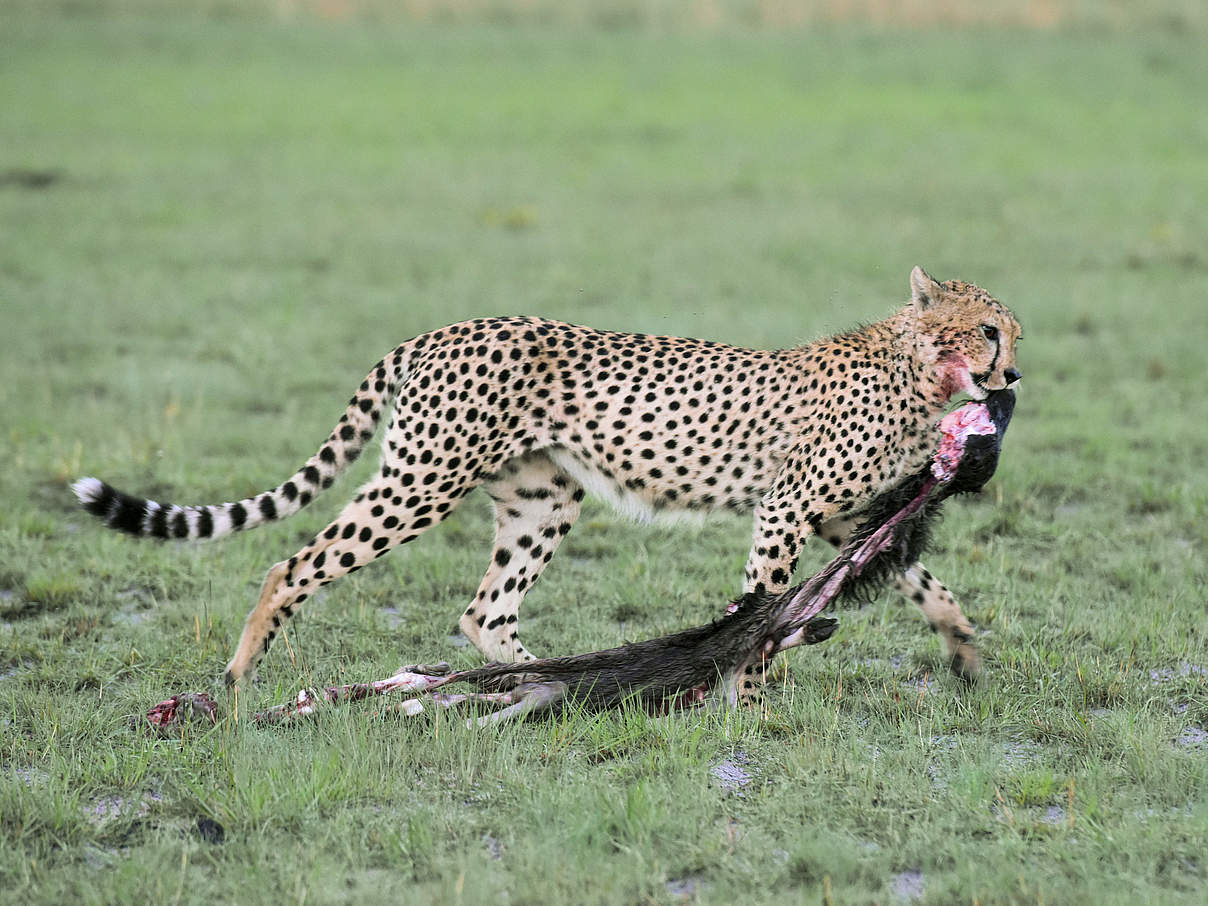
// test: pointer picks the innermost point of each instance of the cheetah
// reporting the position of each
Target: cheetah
(539, 412)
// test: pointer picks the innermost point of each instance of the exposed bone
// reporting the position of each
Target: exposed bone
(415, 678)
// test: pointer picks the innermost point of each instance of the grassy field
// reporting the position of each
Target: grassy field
(212, 227)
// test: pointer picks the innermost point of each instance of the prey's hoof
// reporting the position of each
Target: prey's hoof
(439, 669)
(819, 629)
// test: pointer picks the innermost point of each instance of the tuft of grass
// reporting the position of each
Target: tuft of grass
(52, 590)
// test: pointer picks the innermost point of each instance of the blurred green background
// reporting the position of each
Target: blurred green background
(215, 216)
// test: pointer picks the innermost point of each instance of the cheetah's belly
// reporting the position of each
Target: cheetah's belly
(650, 495)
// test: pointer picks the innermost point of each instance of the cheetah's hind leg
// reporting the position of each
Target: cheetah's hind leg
(536, 503)
(366, 529)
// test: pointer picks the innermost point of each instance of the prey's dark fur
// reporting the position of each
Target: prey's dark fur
(656, 670)
(978, 464)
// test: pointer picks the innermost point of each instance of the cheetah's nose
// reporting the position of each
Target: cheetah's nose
(1012, 375)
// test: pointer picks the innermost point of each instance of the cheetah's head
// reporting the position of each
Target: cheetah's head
(966, 334)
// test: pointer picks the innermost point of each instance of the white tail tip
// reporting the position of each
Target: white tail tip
(88, 490)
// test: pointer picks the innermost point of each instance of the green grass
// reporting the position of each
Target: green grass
(236, 218)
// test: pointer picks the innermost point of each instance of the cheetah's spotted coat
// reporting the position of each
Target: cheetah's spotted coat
(537, 411)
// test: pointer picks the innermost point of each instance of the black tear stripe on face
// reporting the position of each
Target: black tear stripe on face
(986, 375)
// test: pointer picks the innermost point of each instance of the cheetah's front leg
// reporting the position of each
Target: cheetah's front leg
(943, 613)
(945, 618)
(783, 523)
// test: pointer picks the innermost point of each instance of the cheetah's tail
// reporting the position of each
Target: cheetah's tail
(356, 427)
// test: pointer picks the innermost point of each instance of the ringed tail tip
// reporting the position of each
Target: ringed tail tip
(117, 510)
(90, 492)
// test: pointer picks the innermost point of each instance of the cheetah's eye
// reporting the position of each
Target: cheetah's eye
(990, 332)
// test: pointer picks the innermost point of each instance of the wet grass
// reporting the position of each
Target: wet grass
(212, 229)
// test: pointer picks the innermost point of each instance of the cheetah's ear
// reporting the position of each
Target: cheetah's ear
(924, 291)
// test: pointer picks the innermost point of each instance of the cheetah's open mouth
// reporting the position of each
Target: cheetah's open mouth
(980, 381)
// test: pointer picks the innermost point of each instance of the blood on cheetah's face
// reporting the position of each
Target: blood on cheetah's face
(966, 333)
